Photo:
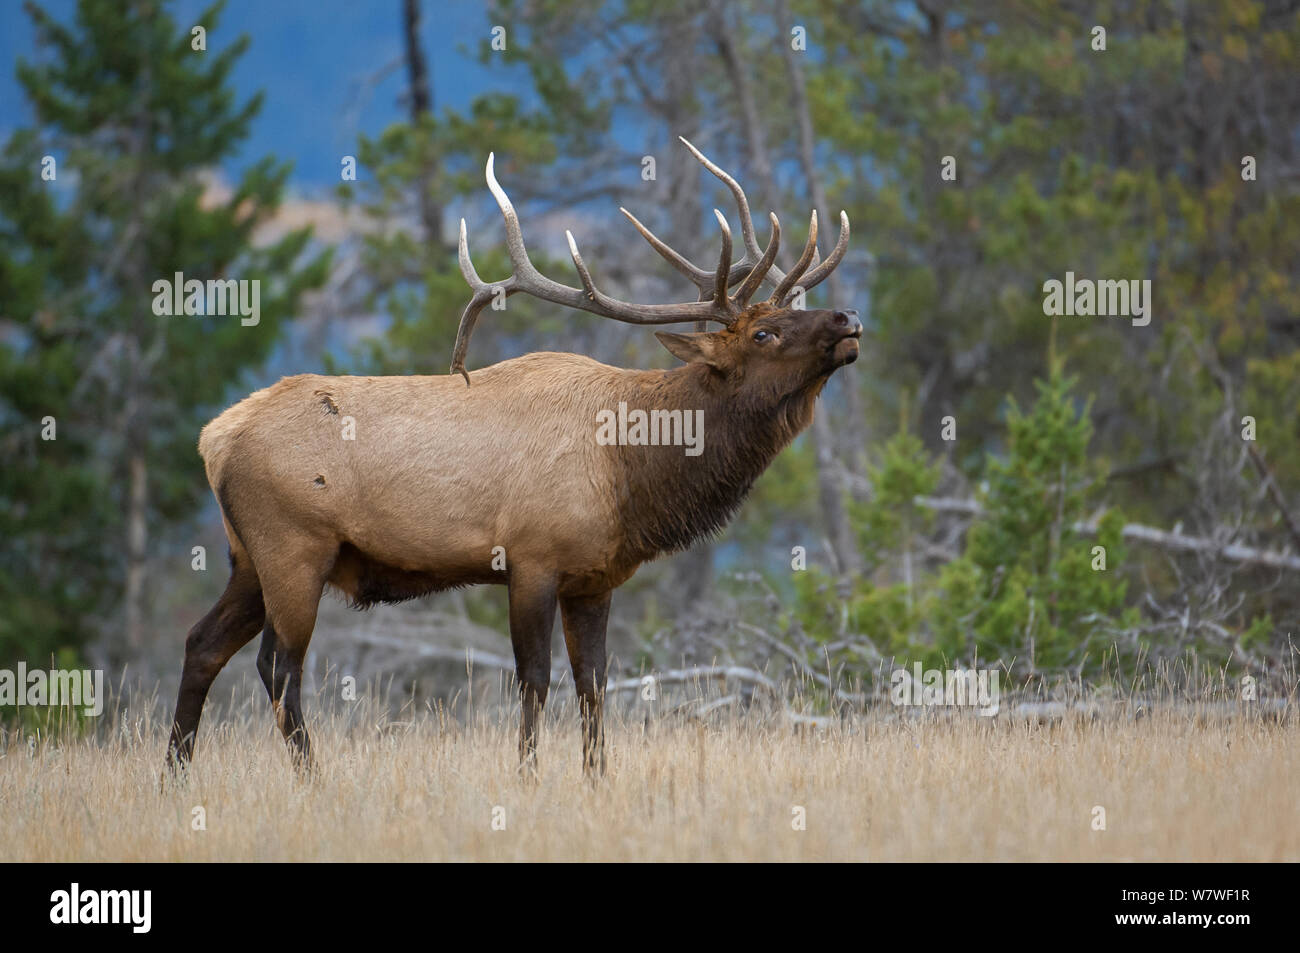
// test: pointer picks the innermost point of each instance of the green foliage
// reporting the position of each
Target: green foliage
(1073, 159)
(889, 520)
(135, 120)
(1031, 583)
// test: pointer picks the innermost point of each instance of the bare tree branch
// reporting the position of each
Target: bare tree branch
(1136, 532)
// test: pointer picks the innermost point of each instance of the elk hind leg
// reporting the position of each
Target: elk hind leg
(532, 617)
(228, 626)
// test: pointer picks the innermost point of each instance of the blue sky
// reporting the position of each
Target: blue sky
(311, 58)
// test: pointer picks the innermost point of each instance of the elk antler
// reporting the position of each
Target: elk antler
(714, 302)
(774, 276)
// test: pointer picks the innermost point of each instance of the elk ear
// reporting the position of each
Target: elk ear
(698, 346)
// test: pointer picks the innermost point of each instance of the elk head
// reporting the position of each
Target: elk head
(766, 350)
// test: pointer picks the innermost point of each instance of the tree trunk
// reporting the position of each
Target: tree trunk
(830, 494)
(136, 401)
(420, 96)
(693, 569)
(852, 447)
(136, 544)
(721, 18)
(832, 488)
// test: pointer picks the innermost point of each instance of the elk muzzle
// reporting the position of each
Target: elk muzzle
(844, 330)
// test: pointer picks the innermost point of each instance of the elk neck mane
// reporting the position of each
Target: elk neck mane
(669, 500)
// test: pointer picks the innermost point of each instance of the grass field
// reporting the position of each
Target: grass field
(1174, 786)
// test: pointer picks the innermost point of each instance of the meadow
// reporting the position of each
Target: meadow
(1176, 782)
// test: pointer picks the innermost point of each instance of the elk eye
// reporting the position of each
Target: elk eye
(761, 336)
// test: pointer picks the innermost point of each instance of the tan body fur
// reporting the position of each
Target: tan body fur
(437, 474)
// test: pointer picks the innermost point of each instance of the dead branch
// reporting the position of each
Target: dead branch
(1136, 532)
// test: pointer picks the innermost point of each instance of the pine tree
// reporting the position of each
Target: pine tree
(1031, 584)
(1036, 582)
(134, 111)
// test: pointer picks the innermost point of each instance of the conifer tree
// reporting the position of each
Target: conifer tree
(110, 192)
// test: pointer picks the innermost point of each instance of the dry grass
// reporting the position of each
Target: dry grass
(1174, 787)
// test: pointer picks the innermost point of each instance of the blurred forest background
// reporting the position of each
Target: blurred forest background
(958, 480)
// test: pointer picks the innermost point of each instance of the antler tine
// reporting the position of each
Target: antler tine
(755, 264)
(740, 269)
(819, 273)
(778, 296)
(482, 295)
(514, 234)
(774, 276)
(752, 252)
(756, 274)
(466, 264)
(584, 276)
(702, 279)
(590, 298)
(720, 299)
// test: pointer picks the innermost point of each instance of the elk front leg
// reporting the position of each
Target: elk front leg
(532, 616)
(292, 598)
(280, 665)
(585, 618)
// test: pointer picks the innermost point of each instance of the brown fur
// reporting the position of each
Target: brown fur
(439, 474)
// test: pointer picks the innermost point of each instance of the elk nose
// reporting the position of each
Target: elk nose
(849, 320)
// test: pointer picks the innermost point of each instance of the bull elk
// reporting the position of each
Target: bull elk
(439, 474)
